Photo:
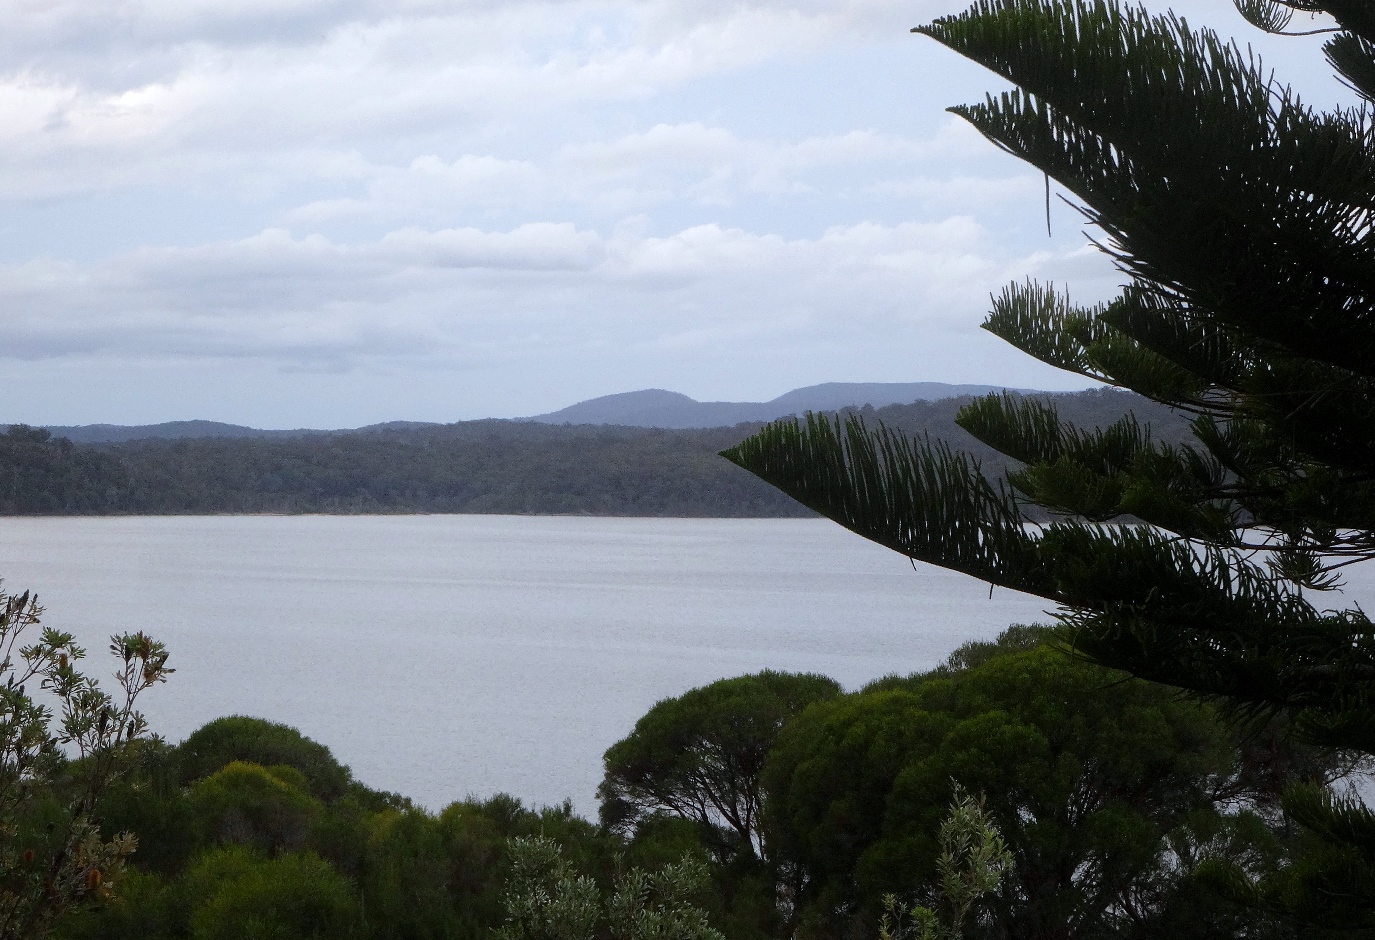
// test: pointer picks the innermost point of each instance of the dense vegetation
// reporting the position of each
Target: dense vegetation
(1115, 798)
(53, 854)
(1119, 807)
(1243, 223)
(475, 466)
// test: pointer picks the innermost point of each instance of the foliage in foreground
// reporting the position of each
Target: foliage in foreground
(249, 829)
(972, 863)
(546, 899)
(700, 757)
(1104, 804)
(1114, 797)
(55, 767)
(1242, 220)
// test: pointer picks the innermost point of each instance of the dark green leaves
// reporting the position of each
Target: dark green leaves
(1244, 223)
(1211, 183)
(917, 498)
(699, 757)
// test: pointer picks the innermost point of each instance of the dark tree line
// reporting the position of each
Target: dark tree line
(469, 467)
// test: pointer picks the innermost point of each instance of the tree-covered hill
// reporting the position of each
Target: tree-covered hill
(470, 467)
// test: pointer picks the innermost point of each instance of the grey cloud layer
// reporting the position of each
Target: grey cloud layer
(691, 162)
(450, 292)
(159, 91)
(509, 193)
(190, 89)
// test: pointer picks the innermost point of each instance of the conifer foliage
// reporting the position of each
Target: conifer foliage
(1242, 221)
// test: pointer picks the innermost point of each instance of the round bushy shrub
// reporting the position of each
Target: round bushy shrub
(263, 742)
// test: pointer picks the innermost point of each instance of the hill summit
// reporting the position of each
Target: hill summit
(658, 408)
(647, 408)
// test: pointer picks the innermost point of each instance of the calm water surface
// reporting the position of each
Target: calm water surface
(442, 656)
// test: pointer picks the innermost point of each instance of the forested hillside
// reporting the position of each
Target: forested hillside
(470, 467)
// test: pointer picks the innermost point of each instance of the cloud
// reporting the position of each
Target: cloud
(633, 192)
(159, 91)
(430, 187)
(277, 92)
(971, 192)
(689, 162)
(467, 292)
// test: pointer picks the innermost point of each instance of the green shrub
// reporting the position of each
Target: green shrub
(239, 738)
(295, 896)
(267, 807)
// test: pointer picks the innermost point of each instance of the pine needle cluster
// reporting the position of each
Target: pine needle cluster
(1242, 222)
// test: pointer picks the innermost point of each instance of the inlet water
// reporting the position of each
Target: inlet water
(446, 656)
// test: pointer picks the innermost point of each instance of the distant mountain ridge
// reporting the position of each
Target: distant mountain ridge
(647, 408)
(657, 408)
(489, 466)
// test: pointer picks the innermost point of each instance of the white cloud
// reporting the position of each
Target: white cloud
(99, 98)
(454, 292)
(664, 192)
(429, 185)
(971, 192)
(690, 162)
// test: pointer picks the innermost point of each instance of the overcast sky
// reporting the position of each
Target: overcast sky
(328, 213)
